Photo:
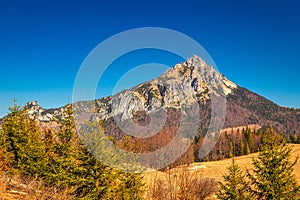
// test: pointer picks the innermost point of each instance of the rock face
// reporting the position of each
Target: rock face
(35, 111)
(185, 84)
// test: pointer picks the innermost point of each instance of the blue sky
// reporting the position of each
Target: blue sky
(256, 44)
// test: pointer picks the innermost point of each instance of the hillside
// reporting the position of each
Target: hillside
(216, 169)
(245, 107)
(213, 169)
(187, 100)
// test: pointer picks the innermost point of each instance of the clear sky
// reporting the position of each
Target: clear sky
(256, 44)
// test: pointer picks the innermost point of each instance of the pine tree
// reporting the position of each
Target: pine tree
(95, 180)
(234, 187)
(292, 138)
(63, 161)
(298, 139)
(78, 165)
(10, 135)
(249, 138)
(21, 142)
(272, 175)
(122, 185)
(33, 160)
(241, 148)
(3, 160)
(247, 149)
(230, 151)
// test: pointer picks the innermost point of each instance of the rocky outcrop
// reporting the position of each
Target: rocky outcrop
(35, 111)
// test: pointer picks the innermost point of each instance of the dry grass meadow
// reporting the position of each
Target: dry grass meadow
(213, 169)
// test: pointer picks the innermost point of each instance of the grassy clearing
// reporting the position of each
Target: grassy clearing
(216, 169)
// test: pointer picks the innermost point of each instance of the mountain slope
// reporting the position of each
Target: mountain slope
(187, 84)
(245, 107)
(165, 115)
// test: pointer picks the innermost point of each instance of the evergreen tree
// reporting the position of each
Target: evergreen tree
(11, 136)
(249, 138)
(83, 171)
(241, 148)
(230, 151)
(272, 175)
(119, 184)
(21, 143)
(3, 160)
(292, 138)
(298, 139)
(63, 151)
(234, 187)
(247, 149)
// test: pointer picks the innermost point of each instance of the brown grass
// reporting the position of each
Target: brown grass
(216, 169)
(16, 188)
(179, 184)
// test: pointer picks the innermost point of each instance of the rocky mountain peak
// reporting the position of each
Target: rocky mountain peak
(185, 84)
(35, 111)
(195, 61)
(195, 71)
(32, 105)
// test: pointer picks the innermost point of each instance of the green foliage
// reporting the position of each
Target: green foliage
(247, 149)
(241, 148)
(64, 161)
(234, 187)
(78, 168)
(64, 151)
(21, 143)
(230, 151)
(111, 183)
(292, 138)
(272, 176)
(249, 138)
(298, 139)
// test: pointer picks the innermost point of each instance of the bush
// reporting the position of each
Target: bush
(181, 183)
